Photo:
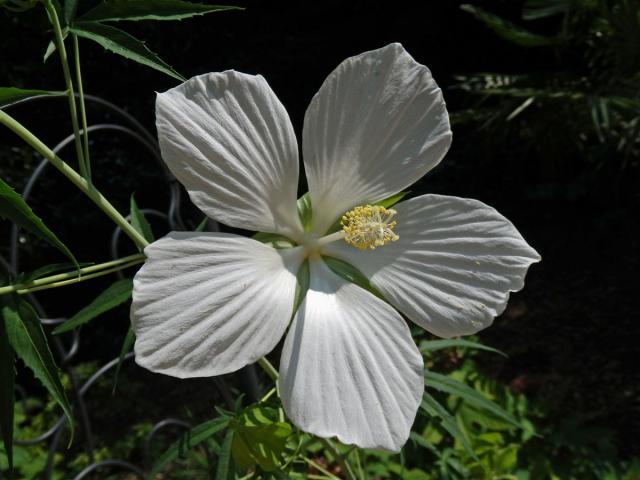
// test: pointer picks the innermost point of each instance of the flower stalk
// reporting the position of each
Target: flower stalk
(59, 40)
(76, 276)
(80, 182)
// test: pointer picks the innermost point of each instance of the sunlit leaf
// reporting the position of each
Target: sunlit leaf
(447, 421)
(115, 295)
(121, 43)
(351, 274)
(188, 441)
(304, 211)
(433, 345)
(116, 10)
(29, 343)
(14, 208)
(453, 387)
(260, 438)
(9, 95)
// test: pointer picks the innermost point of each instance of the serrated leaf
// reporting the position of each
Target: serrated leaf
(121, 43)
(14, 208)
(259, 439)
(139, 222)
(433, 345)
(351, 274)
(187, 441)
(7, 394)
(117, 10)
(453, 387)
(9, 95)
(447, 421)
(507, 30)
(305, 211)
(127, 345)
(115, 295)
(29, 343)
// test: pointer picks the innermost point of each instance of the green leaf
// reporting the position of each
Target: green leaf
(447, 421)
(121, 43)
(506, 29)
(535, 9)
(69, 11)
(259, 439)
(351, 274)
(274, 240)
(453, 387)
(14, 208)
(7, 396)
(29, 343)
(127, 344)
(202, 225)
(186, 442)
(115, 295)
(9, 95)
(305, 211)
(116, 10)
(223, 469)
(139, 222)
(392, 200)
(433, 345)
(303, 279)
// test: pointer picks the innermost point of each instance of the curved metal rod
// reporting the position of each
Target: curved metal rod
(109, 463)
(167, 422)
(26, 192)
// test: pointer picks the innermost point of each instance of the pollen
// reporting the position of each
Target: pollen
(369, 226)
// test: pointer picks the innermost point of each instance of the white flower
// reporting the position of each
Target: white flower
(206, 304)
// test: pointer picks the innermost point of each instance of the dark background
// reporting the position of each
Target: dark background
(572, 334)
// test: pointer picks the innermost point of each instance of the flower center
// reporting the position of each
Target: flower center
(368, 226)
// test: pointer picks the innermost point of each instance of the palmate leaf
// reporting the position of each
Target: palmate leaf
(506, 29)
(121, 43)
(115, 295)
(7, 395)
(117, 10)
(9, 95)
(29, 343)
(14, 208)
(186, 442)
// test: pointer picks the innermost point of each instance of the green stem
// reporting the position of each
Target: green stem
(342, 461)
(79, 279)
(83, 273)
(268, 368)
(57, 30)
(83, 111)
(87, 188)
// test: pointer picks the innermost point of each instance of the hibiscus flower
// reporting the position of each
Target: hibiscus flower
(207, 304)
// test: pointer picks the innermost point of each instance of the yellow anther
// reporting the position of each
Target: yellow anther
(368, 226)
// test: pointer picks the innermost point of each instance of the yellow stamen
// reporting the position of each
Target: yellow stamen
(368, 226)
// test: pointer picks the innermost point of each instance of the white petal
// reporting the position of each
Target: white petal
(205, 304)
(349, 366)
(228, 139)
(453, 267)
(377, 124)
